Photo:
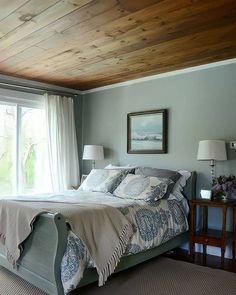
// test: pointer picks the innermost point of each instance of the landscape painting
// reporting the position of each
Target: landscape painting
(147, 132)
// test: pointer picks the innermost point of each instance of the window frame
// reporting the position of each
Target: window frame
(19, 100)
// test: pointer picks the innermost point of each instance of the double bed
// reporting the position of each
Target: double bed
(46, 262)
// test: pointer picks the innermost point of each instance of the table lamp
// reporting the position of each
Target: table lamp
(212, 150)
(93, 153)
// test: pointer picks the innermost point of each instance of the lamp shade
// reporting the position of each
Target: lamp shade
(212, 150)
(93, 152)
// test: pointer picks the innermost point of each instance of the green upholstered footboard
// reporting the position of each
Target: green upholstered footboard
(41, 258)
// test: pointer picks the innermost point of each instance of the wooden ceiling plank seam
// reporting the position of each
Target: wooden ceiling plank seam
(184, 64)
(120, 24)
(176, 43)
(63, 32)
(184, 32)
(116, 45)
(24, 14)
(86, 48)
(29, 27)
(21, 45)
(223, 47)
(177, 58)
(5, 11)
(190, 33)
(83, 84)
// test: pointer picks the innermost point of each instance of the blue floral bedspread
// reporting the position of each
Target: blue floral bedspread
(153, 224)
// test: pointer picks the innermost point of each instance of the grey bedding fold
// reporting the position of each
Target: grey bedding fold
(102, 228)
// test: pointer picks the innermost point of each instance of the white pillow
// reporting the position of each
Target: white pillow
(102, 180)
(180, 184)
(111, 166)
(142, 187)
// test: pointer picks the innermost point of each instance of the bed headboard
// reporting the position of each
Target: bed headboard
(190, 188)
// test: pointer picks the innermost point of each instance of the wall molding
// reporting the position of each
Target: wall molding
(163, 75)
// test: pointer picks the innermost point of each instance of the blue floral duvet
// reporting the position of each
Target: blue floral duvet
(153, 224)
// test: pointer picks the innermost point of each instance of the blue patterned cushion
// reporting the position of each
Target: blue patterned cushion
(102, 180)
(141, 187)
(162, 173)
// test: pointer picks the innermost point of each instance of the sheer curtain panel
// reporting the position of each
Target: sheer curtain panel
(62, 143)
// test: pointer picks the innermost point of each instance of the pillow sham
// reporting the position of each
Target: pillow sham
(180, 184)
(102, 180)
(161, 173)
(128, 167)
(142, 187)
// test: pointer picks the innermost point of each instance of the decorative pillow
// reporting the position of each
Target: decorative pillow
(141, 187)
(161, 173)
(102, 180)
(129, 168)
(180, 184)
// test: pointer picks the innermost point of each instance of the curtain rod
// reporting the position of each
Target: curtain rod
(35, 90)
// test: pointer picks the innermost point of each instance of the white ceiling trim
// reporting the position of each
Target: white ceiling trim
(163, 75)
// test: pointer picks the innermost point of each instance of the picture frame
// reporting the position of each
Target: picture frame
(147, 132)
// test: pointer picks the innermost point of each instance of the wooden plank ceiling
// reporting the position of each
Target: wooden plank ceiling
(85, 44)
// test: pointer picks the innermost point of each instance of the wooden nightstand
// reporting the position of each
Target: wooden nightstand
(211, 237)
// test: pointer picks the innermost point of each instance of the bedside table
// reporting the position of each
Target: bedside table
(212, 237)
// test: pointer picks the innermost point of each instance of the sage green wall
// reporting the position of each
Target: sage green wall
(201, 105)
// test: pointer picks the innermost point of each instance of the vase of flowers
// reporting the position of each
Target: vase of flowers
(224, 187)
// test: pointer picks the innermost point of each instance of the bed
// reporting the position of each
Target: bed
(40, 262)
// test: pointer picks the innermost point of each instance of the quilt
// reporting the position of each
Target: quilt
(153, 224)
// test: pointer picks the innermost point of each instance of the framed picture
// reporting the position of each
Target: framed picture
(147, 132)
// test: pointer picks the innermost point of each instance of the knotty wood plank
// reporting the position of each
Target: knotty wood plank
(100, 11)
(143, 36)
(159, 60)
(7, 7)
(87, 82)
(24, 13)
(147, 35)
(113, 28)
(103, 34)
(105, 42)
(48, 16)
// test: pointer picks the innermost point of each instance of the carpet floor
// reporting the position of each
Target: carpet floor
(160, 276)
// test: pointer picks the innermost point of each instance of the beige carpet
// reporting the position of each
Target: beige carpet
(11, 284)
(160, 276)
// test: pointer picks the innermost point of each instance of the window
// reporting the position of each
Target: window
(23, 156)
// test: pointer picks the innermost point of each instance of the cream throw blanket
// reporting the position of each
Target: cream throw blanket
(104, 231)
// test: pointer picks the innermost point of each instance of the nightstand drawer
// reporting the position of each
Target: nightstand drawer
(212, 237)
(207, 241)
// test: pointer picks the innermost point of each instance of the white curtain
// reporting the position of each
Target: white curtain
(62, 143)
